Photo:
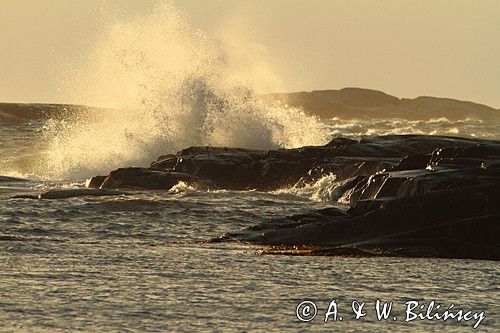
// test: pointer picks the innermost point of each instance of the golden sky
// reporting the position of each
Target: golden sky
(405, 48)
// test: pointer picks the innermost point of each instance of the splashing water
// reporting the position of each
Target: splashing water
(467, 127)
(169, 86)
(325, 189)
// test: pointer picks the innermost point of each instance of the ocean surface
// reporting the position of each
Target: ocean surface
(141, 262)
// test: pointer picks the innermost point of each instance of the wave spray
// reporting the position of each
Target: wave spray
(168, 86)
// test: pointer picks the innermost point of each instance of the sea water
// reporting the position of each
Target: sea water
(141, 262)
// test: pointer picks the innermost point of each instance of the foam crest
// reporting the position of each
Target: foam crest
(438, 126)
(170, 86)
(322, 190)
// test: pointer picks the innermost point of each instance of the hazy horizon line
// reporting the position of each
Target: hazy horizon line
(272, 93)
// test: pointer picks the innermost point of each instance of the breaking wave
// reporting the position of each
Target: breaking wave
(468, 127)
(168, 86)
(321, 190)
(165, 86)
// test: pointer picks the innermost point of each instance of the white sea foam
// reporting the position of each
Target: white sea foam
(171, 86)
(182, 187)
(322, 190)
(437, 126)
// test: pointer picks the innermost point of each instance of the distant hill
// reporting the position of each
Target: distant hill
(347, 103)
(358, 103)
(19, 112)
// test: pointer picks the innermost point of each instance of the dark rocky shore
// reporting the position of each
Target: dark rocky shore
(398, 195)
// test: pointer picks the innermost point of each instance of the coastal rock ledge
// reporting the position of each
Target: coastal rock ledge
(397, 195)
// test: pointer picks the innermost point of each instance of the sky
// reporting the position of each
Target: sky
(402, 47)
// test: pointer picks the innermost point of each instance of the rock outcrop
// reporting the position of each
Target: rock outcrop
(78, 192)
(142, 179)
(405, 195)
(243, 169)
(442, 204)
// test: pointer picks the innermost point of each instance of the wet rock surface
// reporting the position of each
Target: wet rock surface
(445, 203)
(81, 192)
(451, 224)
(142, 179)
(243, 169)
(404, 195)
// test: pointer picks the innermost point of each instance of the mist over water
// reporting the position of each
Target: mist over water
(170, 86)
